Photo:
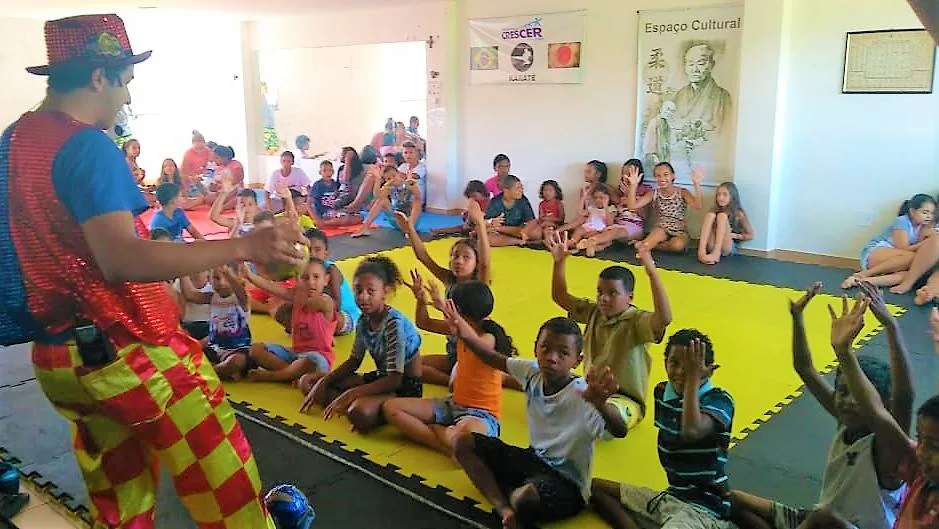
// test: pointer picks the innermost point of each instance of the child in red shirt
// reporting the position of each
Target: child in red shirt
(475, 190)
(551, 208)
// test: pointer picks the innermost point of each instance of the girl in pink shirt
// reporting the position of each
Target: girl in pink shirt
(501, 165)
(312, 324)
(228, 169)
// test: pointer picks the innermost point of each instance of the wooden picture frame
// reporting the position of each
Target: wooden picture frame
(892, 61)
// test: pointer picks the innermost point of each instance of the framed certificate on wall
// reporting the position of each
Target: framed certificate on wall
(900, 61)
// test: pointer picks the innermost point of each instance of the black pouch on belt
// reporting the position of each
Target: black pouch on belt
(93, 347)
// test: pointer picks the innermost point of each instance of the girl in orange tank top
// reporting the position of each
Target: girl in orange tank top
(475, 402)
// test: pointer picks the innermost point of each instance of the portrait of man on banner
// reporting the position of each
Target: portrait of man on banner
(687, 110)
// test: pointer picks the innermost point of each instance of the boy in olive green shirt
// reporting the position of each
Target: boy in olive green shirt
(617, 333)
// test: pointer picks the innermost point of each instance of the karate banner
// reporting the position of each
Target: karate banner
(689, 62)
(535, 49)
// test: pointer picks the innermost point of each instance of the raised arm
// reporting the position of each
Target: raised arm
(482, 346)
(420, 251)
(802, 362)
(633, 203)
(483, 259)
(421, 317)
(237, 286)
(844, 329)
(662, 317)
(695, 424)
(191, 294)
(557, 245)
(901, 381)
(216, 212)
(267, 285)
(695, 200)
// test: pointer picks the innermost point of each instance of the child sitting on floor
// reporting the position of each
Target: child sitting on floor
(598, 216)
(669, 205)
(323, 195)
(195, 316)
(229, 334)
(694, 419)
(550, 480)
(859, 482)
(475, 402)
(886, 259)
(617, 334)
(262, 302)
(170, 216)
(510, 216)
(475, 191)
(393, 343)
(724, 227)
(246, 207)
(336, 287)
(628, 225)
(297, 208)
(496, 183)
(398, 194)
(312, 325)
(551, 208)
(469, 260)
(914, 460)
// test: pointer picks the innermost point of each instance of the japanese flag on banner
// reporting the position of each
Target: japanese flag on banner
(532, 49)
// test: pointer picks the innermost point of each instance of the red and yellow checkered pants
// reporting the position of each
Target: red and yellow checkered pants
(154, 404)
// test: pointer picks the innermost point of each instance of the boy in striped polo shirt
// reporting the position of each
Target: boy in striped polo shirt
(694, 421)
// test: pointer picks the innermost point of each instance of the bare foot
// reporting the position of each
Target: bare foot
(581, 244)
(257, 375)
(707, 259)
(591, 247)
(524, 238)
(363, 232)
(923, 296)
(850, 282)
(900, 289)
(509, 520)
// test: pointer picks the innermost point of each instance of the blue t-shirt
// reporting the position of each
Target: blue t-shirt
(91, 178)
(901, 223)
(562, 426)
(517, 215)
(174, 225)
(346, 296)
(392, 346)
(324, 196)
(695, 470)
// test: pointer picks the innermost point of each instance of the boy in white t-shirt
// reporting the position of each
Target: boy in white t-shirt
(566, 415)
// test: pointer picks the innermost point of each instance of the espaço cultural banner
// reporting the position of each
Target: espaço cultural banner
(533, 49)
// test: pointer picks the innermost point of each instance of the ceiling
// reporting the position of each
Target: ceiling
(237, 8)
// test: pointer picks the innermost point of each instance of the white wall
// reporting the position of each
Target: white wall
(849, 159)
(551, 131)
(402, 23)
(187, 83)
(342, 95)
(21, 45)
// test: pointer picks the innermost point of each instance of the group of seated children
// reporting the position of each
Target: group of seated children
(567, 414)
(633, 211)
(906, 251)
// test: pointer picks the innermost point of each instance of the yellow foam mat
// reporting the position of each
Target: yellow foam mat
(748, 324)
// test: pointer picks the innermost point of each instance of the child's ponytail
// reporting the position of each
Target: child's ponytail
(504, 343)
(475, 302)
(915, 202)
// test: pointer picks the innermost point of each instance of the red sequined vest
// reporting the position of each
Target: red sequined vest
(62, 280)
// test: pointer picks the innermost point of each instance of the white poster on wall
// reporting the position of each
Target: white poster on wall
(689, 63)
(534, 49)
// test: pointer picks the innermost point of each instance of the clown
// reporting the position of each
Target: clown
(76, 280)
